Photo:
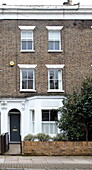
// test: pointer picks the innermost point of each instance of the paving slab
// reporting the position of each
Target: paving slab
(45, 162)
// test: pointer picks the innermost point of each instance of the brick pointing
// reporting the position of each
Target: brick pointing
(59, 148)
(76, 55)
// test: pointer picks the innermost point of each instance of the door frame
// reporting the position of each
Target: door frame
(14, 112)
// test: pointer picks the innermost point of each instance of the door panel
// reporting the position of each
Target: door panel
(15, 127)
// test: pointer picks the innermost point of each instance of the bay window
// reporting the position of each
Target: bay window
(49, 118)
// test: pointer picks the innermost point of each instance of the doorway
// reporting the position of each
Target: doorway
(14, 125)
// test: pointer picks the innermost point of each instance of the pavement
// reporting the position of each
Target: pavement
(8, 162)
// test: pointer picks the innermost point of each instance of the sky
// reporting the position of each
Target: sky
(43, 2)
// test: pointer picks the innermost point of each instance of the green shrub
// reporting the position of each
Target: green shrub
(43, 137)
(29, 137)
(60, 137)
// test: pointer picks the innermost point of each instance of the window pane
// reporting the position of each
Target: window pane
(56, 45)
(51, 72)
(24, 84)
(53, 115)
(26, 35)
(45, 115)
(45, 128)
(23, 45)
(23, 34)
(50, 45)
(53, 128)
(56, 74)
(51, 84)
(54, 35)
(53, 45)
(30, 74)
(30, 84)
(29, 35)
(24, 74)
(56, 84)
(29, 43)
(33, 117)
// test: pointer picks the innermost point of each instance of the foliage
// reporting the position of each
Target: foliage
(43, 137)
(29, 137)
(60, 137)
(76, 113)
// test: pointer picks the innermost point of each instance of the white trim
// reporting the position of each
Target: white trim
(27, 51)
(27, 65)
(45, 97)
(27, 39)
(54, 65)
(30, 98)
(27, 27)
(27, 90)
(54, 90)
(46, 12)
(54, 27)
(53, 51)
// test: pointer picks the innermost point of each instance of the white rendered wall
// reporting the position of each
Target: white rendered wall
(25, 106)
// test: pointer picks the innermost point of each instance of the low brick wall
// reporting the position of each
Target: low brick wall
(59, 148)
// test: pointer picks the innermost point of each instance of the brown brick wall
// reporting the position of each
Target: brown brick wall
(76, 55)
(60, 148)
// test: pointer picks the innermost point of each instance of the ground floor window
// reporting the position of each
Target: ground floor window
(49, 118)
(32, 121)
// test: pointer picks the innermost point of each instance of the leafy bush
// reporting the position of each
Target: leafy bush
(29, 137)
(43, 137)
(60, 137)
(76, 113)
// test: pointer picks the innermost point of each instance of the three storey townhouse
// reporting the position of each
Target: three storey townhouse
(45, 53)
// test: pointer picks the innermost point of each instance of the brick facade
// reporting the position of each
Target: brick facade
(74, 58)
(56, 148)
(76, 55)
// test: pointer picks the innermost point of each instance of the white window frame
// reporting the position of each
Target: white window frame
(27, 66)
(55, 29)
(27, 29)
(32, 125)
(48, 122)
(59, 66)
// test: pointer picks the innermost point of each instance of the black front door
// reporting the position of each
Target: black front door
(14, 127)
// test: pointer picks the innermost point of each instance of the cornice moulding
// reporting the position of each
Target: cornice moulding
(46, 12)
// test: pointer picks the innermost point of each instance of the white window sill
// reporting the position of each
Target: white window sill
(27, 51)
(27, 90)
(55, 51)
(55, 91)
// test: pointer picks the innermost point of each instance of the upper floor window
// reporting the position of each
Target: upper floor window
(55, 78)
(54, 38)
(27, 42)
(27, 77)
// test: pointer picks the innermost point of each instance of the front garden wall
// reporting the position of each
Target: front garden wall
(59, 148)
